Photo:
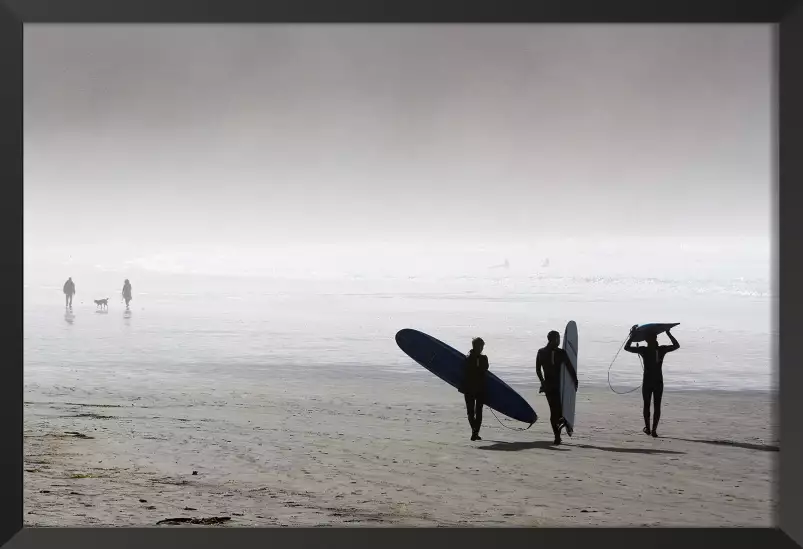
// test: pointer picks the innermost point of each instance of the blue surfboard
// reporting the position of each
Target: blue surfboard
(653, 328)
(448, 364)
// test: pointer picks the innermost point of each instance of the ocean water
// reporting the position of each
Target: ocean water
(252, 329)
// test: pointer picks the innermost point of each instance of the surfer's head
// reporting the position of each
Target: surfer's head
(553, 338)
(652, 340)
(477, 345)
(126, 281)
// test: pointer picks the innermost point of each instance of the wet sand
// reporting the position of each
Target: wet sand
(387, 449)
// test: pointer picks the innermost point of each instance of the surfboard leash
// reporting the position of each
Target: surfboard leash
(611, 366)
(507, 426)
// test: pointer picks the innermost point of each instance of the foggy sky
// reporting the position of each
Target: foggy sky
(148, 140)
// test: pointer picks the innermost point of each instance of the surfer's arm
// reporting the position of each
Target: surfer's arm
(629, 347)
(675, 345)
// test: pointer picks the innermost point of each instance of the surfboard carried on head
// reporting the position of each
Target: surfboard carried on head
(568, 392)
(449, 364)
(643, 331)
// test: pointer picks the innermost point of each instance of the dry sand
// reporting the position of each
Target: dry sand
(386, 449)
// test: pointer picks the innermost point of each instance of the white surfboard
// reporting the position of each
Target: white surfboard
(568, 394)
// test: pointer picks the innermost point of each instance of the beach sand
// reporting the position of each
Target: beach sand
(387, 449)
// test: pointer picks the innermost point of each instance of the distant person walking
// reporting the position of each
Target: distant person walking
(127, 292)
(652, 385)
(550, 359)
(69, 291)
(474, 387)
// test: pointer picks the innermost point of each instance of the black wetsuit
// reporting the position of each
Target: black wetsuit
(551, 361)
(474, 388)
(652, 387)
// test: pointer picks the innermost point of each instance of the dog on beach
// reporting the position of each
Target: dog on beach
(102, 303)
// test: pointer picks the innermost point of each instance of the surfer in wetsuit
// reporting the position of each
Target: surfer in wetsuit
(474, 389)
(69, 291)
(652, 385)
(550, 359)
(127, 292)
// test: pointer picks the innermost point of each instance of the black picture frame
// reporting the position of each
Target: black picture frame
(787, 15)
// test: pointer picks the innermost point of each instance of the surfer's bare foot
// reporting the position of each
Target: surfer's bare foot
(557, 441)
(647, 431)
(654, 433)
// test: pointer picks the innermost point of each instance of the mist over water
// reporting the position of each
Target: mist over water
(285, 198)
(185, 325)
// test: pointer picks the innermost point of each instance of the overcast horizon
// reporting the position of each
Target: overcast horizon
(233, 148)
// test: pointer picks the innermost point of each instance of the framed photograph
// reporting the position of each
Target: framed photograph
(368, 274)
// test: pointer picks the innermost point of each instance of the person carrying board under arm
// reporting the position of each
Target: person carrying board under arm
(474, 388)
(550, 359)
(652, 385)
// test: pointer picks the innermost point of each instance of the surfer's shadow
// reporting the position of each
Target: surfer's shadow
(499, 446)
(546, 445)
(626, 450)
(732, 444)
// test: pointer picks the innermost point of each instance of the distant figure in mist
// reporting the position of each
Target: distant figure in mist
(474, 386)
(550, 359)
(127, 293)
(69, 291)
(652, 385)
